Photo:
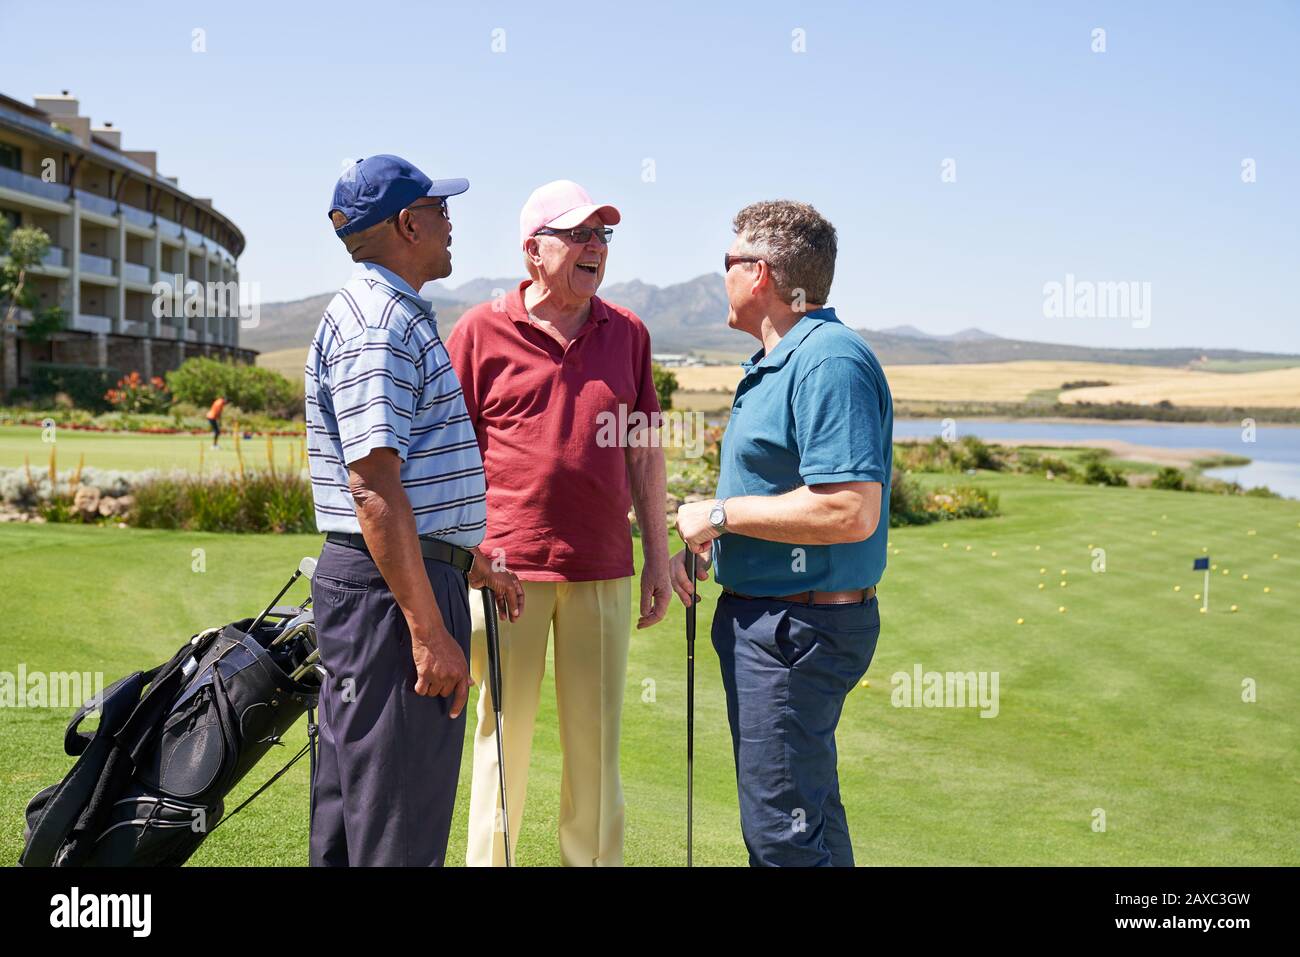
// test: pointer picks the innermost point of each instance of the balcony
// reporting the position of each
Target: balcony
(37, 126)
(116, 156)
(193, 237)
(135, 328)
(55, 256)
(168, 229)
(191, 335)
(139, 217)
(34, 185)
(134, 272)
(98, 265)
(166, 332)
(85, 322)
(97, 204)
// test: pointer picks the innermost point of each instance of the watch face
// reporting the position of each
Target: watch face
(717, 516)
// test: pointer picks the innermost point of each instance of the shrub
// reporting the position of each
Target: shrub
(971, 452)
(1083, 384)
(939, 455)
(1097, 472)
(1171, 479)
(910, 505)
(200, 380)
(665, 385)
(906, 501)
(134, 394)
(261, 501)
(85, 386)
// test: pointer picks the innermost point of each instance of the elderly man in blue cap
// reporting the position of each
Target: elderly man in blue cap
(398, 488)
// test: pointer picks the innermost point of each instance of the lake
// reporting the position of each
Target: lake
(1274, 453)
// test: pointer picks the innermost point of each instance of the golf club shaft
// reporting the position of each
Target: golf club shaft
(494, 684)
(301, 671)
(690, 709)
(267, 610)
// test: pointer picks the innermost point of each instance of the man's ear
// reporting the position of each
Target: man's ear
(406, 227)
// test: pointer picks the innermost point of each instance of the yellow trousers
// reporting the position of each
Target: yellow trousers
(592, 623)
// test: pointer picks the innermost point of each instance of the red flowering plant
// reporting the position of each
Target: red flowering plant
(134, 394)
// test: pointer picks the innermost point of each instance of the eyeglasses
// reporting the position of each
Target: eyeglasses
(580, 234)
(729, 260)
(441, 204)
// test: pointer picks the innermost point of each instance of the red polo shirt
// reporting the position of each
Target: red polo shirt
(557, 500)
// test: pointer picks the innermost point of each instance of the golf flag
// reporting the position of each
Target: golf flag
(1202, 564)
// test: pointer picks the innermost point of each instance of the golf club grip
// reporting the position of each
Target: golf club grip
(691, 559)
(493, 645)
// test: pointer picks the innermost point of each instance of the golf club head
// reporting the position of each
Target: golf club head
(307, 567)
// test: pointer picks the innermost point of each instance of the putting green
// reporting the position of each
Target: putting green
(1129, 703)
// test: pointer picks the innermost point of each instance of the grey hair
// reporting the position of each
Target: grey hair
(796, 242)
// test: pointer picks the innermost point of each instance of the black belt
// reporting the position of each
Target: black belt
(440, 551)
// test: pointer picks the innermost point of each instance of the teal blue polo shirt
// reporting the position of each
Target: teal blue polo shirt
(816, 410)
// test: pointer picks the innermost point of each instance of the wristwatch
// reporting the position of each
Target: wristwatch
(718, 516)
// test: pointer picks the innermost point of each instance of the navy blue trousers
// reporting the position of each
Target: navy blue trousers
(787, 669)
(389, 759)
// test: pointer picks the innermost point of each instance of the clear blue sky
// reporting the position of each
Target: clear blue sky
(1123, 165)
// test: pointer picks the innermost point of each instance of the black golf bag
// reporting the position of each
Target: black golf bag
(150, 781)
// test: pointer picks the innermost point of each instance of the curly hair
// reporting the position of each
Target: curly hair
(796, 242)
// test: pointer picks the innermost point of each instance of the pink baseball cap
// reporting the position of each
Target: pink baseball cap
(561, 205)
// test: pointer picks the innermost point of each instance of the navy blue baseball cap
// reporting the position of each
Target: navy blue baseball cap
(372, 189)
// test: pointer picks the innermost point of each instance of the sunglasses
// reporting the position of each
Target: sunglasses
(441, 204)
(729, 260)
(580, 234)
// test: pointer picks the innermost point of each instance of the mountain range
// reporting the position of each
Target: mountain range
(691, 317)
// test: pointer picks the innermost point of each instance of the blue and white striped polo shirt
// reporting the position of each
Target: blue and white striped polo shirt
(378, 376)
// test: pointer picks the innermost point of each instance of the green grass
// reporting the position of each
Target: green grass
(1244, 365)
(130, 451)
(1129, 702)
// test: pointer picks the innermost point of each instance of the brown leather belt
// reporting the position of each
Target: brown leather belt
(854, 596)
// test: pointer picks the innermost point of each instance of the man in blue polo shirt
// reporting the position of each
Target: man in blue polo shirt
(798, 533)
(398, 488)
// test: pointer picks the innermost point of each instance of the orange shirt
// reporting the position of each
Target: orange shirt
(215, 411)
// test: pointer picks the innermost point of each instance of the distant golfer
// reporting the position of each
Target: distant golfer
(546, 372)
(214, 418)
(398, 487)
(797, 532)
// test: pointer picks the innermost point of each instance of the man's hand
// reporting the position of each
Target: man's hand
(693, 525)
(440, 666)
(505, 586)
(656, 594)
(682, 581)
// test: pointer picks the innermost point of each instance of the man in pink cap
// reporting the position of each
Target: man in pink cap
(544, 373)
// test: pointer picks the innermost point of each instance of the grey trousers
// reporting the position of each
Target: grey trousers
(389, 759)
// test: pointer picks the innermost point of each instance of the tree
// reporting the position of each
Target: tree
(20, 250)
(665, 385)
